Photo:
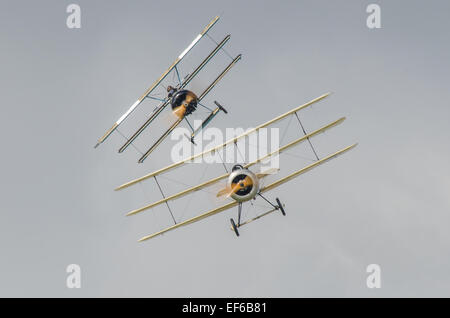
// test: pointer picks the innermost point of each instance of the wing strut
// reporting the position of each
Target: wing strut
(305, 133)
(167, 203)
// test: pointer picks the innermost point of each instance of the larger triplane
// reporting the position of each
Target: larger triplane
(241, 184)
(183, 101)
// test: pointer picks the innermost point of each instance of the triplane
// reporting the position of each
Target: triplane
(182, 100)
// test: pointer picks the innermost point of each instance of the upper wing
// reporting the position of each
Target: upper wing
(212, 150)
(158, 81)
(192, 220)
(221, 177)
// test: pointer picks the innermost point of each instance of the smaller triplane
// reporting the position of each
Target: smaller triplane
(183, 101)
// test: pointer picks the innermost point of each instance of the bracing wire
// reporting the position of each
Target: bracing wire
(133, 145)
(167, 203)
(212, 39)
(304, 131)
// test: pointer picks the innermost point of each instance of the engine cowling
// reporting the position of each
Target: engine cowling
(242, 184)
(184, 99)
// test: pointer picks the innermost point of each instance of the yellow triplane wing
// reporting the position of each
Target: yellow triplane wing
(221, 177)
(305, 169)
(266, 188)
(266, 173)
(192, 220)
(212, 150)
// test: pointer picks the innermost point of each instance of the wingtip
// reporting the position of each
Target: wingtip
(352, 146)
(142, 239)
(120, 187)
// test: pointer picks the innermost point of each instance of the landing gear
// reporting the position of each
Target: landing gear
(275, 207)
(239, 213)
(207, 120)
(235, 226)
(220, 107)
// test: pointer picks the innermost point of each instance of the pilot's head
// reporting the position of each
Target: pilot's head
(171, 90)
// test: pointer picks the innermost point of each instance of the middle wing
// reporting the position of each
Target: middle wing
(305, 169)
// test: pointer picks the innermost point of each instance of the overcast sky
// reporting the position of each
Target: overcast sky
(386, 202)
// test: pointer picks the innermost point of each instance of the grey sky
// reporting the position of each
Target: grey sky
(385, 202)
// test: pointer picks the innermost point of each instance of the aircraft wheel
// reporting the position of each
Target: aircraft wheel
(233, 225)
(280, 206)
(221, 107)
